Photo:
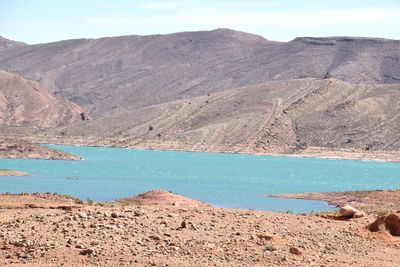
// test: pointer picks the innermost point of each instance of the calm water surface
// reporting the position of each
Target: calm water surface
(223, 180)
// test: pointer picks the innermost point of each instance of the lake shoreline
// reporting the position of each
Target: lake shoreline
(313, 206)
(311, 152)
(307, 152)
(370, 201)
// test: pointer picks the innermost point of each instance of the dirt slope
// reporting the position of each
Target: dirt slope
(25, 103)
(280, 116)
(108, 75)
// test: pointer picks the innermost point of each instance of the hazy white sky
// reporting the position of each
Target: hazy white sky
(37, 21)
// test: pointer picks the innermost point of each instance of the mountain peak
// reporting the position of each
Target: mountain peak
(239, 34)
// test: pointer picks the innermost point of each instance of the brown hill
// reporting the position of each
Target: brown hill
(279, 116)
(25, 103)
(108, 75)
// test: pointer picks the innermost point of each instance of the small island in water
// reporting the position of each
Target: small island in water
(6, 172)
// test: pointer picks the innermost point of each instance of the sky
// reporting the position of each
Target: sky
(40, 21)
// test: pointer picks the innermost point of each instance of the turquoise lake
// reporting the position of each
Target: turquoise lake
(222, 180)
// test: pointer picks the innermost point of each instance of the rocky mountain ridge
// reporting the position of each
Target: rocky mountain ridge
(114, 74)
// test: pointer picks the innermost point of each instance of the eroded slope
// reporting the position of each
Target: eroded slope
(280, 116)
(25, 103)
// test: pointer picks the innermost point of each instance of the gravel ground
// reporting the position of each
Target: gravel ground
(168, 235)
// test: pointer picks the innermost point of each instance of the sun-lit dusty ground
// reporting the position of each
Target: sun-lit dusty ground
(70, 233)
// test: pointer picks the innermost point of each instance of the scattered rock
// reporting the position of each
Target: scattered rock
(33, 206)
(265, 237)
(87, 251)
(270, 248)
(66, 208)
(155, 237)
(183, 225)
(175, 248)
(138, 213)
(82, 215)
(166, 235)
(295, 251)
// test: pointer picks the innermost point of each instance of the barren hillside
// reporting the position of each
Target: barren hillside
(9, 44)
(279, 116)
(25, 103)
(109, 75)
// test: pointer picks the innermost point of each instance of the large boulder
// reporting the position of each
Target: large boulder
(389, 222)
(392, 223)
(378, 224)
(350, 212)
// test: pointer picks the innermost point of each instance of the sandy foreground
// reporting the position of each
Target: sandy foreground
(51, 230)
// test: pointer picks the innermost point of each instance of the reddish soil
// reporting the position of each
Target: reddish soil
(157, 197)
(37, 200)
(167, 235)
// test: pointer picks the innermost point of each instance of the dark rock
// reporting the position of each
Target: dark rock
(295, 251)
(87, 251)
